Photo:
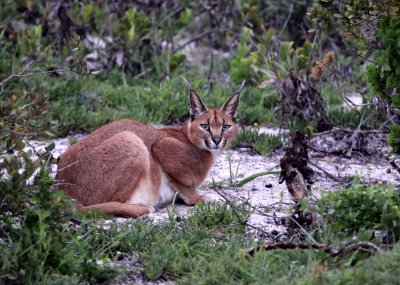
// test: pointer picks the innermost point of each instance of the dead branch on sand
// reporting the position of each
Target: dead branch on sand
(294, 168)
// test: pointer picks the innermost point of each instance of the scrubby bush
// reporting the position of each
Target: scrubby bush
(369, 212)
(36, 243)
(371, 33)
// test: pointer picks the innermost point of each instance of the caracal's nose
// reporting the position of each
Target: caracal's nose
(216, 140)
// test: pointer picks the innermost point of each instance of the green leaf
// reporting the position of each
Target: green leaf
(186, 16)
(50, 134)
(309, 130)
(285, 50)
(50, 147)
(254, 176)
(176, 60)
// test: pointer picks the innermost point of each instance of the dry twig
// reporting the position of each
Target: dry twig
(333, 177)
(240, 220)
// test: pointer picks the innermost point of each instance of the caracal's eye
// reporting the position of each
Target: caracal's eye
(205, 127)
(226, 127)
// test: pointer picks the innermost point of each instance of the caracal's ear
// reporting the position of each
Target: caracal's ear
(231, 105)
(197, 107)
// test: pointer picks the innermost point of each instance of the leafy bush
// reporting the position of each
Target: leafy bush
(135, 38)
(364, 211)
(36, 243)
(113, 35)
(384, 75)
(370, 32)
(241, 63)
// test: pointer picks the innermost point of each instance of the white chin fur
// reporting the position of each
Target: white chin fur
(214, 151)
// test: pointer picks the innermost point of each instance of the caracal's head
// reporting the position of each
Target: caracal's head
(212, 129)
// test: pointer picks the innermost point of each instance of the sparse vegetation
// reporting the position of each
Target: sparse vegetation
(263, 144)
(370, 213)
(74, 66)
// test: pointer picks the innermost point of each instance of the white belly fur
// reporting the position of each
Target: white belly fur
(166, 193)
(143, 195)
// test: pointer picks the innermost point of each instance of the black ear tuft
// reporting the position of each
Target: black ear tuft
(231, 105)
(197, 107)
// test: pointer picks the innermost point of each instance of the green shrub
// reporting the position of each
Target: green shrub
(355, 20)
(363, 211)
(36, 243)
(241, 63)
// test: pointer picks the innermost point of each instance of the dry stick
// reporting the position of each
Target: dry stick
(255, 209)
(352, 138)
(394, 165)
(394, 158)
(40, 72)
(34, 150)
(326, 172)
(144, 72)
(367, 246)
(67, 166)
(28, 65)
(287, 19)
(340, 92)
(54, 185)
(194, 39)
(355, 132)
(346, 131)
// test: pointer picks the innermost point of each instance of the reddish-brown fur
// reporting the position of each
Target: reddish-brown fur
(127, 168)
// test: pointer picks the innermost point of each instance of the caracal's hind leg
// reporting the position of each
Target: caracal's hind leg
(109, 175)
(118, 209)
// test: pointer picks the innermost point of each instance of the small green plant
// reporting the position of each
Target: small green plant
(394, 138)
(233, 175)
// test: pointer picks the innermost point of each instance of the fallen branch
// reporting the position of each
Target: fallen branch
(365, 246)
(394, 165)
(333, 177)
(346, 131)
